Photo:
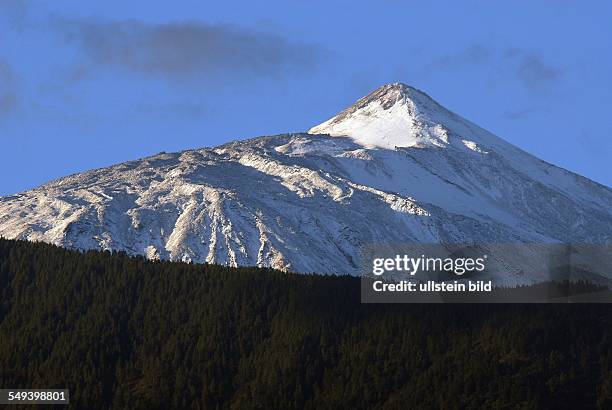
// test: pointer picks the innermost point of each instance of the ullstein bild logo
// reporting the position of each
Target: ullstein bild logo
(498, 273)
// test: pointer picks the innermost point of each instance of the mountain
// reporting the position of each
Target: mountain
(394, 167)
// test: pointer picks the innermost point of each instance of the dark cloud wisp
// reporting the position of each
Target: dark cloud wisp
(518, 114)
(475, 54)
(8, 96)
(533, 71)
(180, 50)
(528, 67)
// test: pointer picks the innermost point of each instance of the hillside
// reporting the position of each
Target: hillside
(395, 167)
(124, 332)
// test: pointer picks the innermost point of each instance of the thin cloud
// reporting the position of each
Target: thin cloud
(187, 50)
(518, 114)
(528, 67)
(475, 54)
(532, 70)
(8, 95)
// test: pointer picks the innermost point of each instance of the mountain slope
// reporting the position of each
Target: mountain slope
(120, 332)
(394, 167)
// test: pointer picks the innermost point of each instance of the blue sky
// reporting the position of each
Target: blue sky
(89, 84)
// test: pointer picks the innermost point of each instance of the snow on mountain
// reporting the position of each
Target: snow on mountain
(392, 116)
(394, 167)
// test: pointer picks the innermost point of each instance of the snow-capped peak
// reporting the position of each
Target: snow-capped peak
(394, 115)
(311, 203)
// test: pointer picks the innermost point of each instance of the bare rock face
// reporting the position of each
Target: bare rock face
(394, 167)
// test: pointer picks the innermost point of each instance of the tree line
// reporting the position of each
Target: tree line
(125, 332)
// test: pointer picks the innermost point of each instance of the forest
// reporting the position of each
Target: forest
(124, 332)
